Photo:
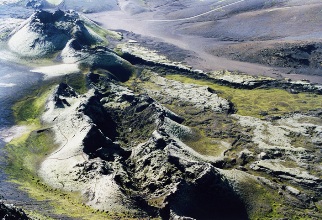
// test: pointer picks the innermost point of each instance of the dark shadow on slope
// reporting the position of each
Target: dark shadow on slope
(100, 117)
(209, 197)
(97, 145)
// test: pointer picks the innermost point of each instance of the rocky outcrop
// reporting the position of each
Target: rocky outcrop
(150, 178)
(178, 182)
(137, 54)
(294, 175)
(9, 212)
(294, 55)
(170, 91)
(239, 79)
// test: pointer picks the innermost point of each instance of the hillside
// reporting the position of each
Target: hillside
(184, 110)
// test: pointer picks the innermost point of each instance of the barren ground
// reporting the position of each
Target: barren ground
(204, 27)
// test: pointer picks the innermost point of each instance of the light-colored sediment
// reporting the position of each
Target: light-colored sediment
(54, 2)
(57, 70)
(13, 132)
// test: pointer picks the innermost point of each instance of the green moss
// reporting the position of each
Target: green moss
(77, 82)
(261, 201)
(256, 101)
(206, 145)
(28, 109)
(213, 134)
(26, 153)
(319, 205)
(300, 140)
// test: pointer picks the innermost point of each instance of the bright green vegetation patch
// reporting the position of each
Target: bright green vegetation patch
(260, 102)
(319, 205)
(213, 133)
(266, 203)
(29, 109)
(206, 145)
(25, 154)
(200, 121)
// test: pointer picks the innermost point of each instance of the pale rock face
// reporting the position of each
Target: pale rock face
(177, 130)
(55, 168)
(295, 175)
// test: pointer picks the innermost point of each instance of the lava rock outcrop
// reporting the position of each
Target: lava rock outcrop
(160, 176)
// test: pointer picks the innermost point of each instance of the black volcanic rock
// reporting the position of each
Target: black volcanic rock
(9, 212)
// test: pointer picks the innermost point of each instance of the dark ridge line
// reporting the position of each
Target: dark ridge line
(195, 74)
